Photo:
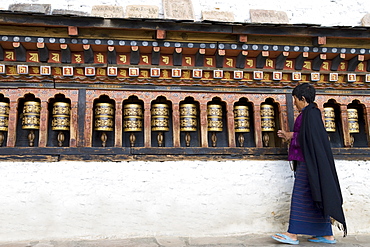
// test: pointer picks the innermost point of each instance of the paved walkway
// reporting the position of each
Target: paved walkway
(229, 241)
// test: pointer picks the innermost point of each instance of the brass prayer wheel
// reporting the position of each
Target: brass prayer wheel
(4, 116)
(241, 117)
(353, 125)
(188, 117)
(133, 115)
(160, 115)
(61, 116)
(4, 120)
(214, 116)
(104, 113)
(267, 118)
(61, 120)
(329, 119)
(31, 115)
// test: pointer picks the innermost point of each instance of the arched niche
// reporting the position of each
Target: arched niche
(59, 124)
(4, 119)
(270, 123)
(244, 123)
(103, 122)
(161, 122)
(358, 139)
(333, 126)
(217, 123)
(133, 122)
(28, 124)
(189, 123)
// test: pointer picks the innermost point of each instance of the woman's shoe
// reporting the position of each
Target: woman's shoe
(322, 240)
(285, 239)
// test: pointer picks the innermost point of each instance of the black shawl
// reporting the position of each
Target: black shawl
(322, 174)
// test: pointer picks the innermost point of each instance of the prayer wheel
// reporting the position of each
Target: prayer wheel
(188, 120)
(4, 120)
(267, 122)
(329, 119)
(4, 116)
(31, 115)
(133, 120)
(160, 120)
(160, 115)
(242, 123)
(215, 123)
(61, 116)
(61, 119)
(31, 119)
(104, 113)
(353, 126)
(267, 118)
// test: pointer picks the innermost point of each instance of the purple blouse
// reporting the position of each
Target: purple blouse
(295, 151)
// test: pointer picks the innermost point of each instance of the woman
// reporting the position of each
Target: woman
(316, 199)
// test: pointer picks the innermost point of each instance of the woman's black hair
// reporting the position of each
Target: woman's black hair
(305, 90)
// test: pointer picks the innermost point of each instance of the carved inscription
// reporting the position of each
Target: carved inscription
(224, 16)
(268, 16)
(107, 11)
(366, 20)
(178, 9)
(142, 11)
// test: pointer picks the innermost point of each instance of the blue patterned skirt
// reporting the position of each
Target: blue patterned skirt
(305, 217)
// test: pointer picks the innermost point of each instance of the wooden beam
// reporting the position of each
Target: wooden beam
(112, 55)
(240, 59)
(135, 55)
(20, 52)
(299, 61)
(66, 53)
(220, 54)
(156, 55)
(352, 64)
(280, 60)
(317, 61)
(43, 52)
(336, 61)
(177, 57)
(199, 57)
(261, 59)
(88, 54)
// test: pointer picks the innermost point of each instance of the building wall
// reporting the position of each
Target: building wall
(94, 200)
(324, 12)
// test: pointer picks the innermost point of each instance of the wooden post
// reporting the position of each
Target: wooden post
(43, 132)
(118, 124)
(257, 125)
(147, 125)
(230, 124)
(13, 120)
(176, 124)
(89, 122)
(346, 135)
(203, 125)
(73, 124)
(367, 123)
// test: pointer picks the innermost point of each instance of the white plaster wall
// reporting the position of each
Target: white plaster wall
(95, 200)
(323, 12)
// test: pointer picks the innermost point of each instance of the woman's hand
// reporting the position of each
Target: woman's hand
(287, 136)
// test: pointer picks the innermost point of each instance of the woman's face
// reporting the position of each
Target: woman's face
(300, 104)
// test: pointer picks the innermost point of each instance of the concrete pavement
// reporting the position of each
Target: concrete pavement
(226, 241)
